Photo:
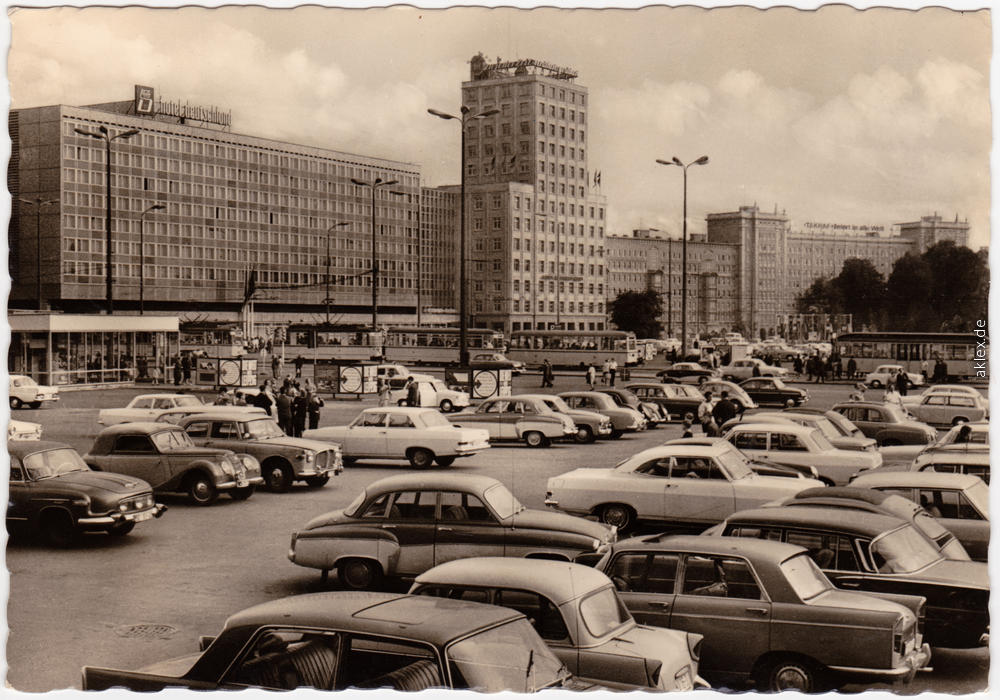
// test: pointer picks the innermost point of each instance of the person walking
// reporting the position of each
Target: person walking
(852, 368)
(383, 391)
(705, 415)
(314, 402)
(186, 362)
(891, 395)
(902, 383)
(283, 406)
(724, 411)
(547, 374)
(412, 392)
(299, 361)
(300, 411)
(591, 376)
(178, 371)
(605, 371)
(612, 371)
(275, 366)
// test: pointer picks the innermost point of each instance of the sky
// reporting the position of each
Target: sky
(835, 115)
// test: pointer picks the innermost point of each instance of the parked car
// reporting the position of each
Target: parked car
(674, 400)
(403, 525)
(812, 420)
(970, 436)
(883, 374)
(961, 503)
(689, 486)
(766, 612)
(736, 393)
(739, 370)
(623, 419)
(23, 430)
(164, 455)
(887, 424)
(514, 418)
(176, 415)
(800, 446)
(974, 462)
(147, 407)
(576, 610)
(53, 492)
(839, 421)
(590, 425)
(881, 553)
(763, 467)
(949, 409)
(627, 399)
(420, 435)
(771, 390)
(338, 640)
(687, 373)
(432, 391)
(937, 389)
(25, 391)
(492, 360)
(283, 459)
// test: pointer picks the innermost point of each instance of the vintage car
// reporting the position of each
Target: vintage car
(687, 485)
(23, 430)
(25, 391)
(147, 407)
(404, 525)
(762, 467)
(970, 436)
(590, 425)
(947, 410)
(773, 391)
(54, 492)
(974, 462)
(576, 610)
(675, 400)
(735, 391)
(176, 415)
(811, 420)
(513, 418)
(623, 419)
(960, 502)
(339, 640)
(687, 373)
(800, 446)
(739, 370)
(627, 399)
(950, 389)
(283, 460)
(421, 435)
(886, 423)
(883, 374)
(843, 426)
(495, 360)
(164, 455)
(432, 392)
(881, 553)
(766, 612)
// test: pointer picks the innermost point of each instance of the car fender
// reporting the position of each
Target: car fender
(199, 465)
(324, 547)
(550, 429)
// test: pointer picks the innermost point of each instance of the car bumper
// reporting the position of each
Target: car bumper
(331, 471)
(240, 484)
(904, 671)
(103, 521)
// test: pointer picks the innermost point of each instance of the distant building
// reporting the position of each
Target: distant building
(932, 229)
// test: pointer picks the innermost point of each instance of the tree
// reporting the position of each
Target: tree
(639, 312)
(908, 294)
(862, 291)
(959, 280)
(822, 297)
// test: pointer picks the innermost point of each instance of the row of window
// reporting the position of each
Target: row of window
(565, 268)
(490, 93)
(562, 287)
(568, 307)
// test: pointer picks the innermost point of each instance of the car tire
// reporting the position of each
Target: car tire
(358, 574)
(201, 490)
(420, 458)
(446, 406)
(876, 384)
(584, 435)
(59, 529)
(35, 404)
(959, 419)
(616, 434)
(617, 514)
(445, 461)
(315, 482)
(122, 528)
(277, 475)
(790, 673)
(242, 494)
(535, 439)
(402, 402)
(15, 402)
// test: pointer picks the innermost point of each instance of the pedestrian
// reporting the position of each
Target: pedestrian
(902, 383)
(852, 368)
(178, 371)
(705, 415)
(891, 395)
(797, 364)
(810, 367)
(223, 399)
(383, 388)
(186, 368)
(412, 392)
(923, 369)
(688, 420)
(299, 361)
(756, 370)
(605, 371)
(591, 376)
(547, 374)
(724, 410)
(612, 371)
(239, 399)
(300, 411)
(275, 366)
(283, 406)
(314, 403)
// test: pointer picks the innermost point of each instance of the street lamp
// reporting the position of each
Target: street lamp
(684, 260)
(379, 182)
(142, 252)
(103, 135)
(39, 203)
(328, 232)
(463, 319)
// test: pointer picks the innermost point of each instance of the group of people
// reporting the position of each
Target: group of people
(712, 416)
(292, 405)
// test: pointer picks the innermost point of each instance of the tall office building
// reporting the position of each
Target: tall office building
(535, 226)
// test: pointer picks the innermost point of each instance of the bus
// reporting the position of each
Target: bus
(573, 348)
(871, 349)
(407, 345)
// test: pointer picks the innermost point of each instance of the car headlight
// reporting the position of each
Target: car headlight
(250, 463)
(123, 506)
(307, 456)
(227, 465)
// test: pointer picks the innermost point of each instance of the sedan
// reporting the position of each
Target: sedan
(884, 374)
(745, 369)
(688, 485)
(841, 433)
(515, 418)
(687, 373)
(936, 389)
(420, 435)
(576, 610)
(404, 525)
(974, 462)
(148, 407)
(886, 423)
(25, 391)
(590, 425)
(949, 409)
(431, 390)
(771, 390)
(736, 393)
(627, 399)
(496, 360)
(623, 419)
(675, 400)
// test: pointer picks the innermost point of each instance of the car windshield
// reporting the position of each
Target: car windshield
(825, 426)
(805, 578)
(172, 440)
(438, 386)
(502, 501)
(603, 612)
(778, 384)
(261, 429)
(358, 501)
(45, 465)
(508, 657)
(903, 550)
(24, 381)
(931, 527)
(979, 497)
(976, 436)
(735, 463)
(557, 404)
(433, 419)
(842, 424)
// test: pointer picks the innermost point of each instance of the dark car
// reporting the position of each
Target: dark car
(772, 390)
(336, 641)
(687, 373)
(164, 455)
(674, 400)
(766, 612)
(881, 553)
(55, 493)
(649, 410)
(887, 424)
(404, 525)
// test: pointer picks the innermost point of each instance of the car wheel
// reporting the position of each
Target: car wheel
(584, 434)
(420, 458)
(242, 494)
(533, 438)
(201, 491)
(876, 384)
(358, 574)
(35, 404)
(59, 529)
(615, 434)
(314, 482)
(617, 514)
(277, 475)
(447, 406)
(121, 528)
(15, 402)
(959, 419)
(445, 461)
(790, 674)
(401, 402)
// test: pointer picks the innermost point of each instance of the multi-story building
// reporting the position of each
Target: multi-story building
(932, 229)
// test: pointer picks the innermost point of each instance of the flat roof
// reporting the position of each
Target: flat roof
(89, 323)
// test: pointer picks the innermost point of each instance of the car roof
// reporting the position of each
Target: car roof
(785, 427)
(138, 427)
(826, 518)
(23, 448)
(559, 581)
(695, 449)
(749, 547)
(959, 456)
(435, 620)
(223, 415)
(164, 395)
(405, 410)
(433, 480)
(929, 479)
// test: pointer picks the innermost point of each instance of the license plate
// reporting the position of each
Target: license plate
(139, 517)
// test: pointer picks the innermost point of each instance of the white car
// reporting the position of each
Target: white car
(743, 369)
(947, 389)
(736, 393)
(883, 373)
(149, 407)
(420, 435)
(23, 430)
(25, 391)
(433, 392)
(800, 446)
(692, 485)
(948, 409)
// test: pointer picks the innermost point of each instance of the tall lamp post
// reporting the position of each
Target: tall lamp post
(142, 252)
(102, 135)
(375, 185)
(684, 242)
(39, 203)
(339, 224)
(463, 317)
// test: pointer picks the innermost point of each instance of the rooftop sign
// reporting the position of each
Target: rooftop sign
(147, 104)
(481, 70)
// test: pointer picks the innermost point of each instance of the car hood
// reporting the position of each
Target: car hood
(297, 443)
(853, 600)
(853, 444)
(172, 668)
(331, 518)
(551, 520)
(969, 574)
(93, 482)
(773, 487)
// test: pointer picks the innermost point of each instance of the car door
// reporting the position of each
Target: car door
(199, 431)
(490, 416)
(136, 456)
(225, 435)
(466, 528)
(953, 510)
(933, 409)
(787, 448)
(141, 410)
(698, 491)
(400, 434)
(645, 581)
(19, 503)
(866, 419)
(367, 436)
(752, 443)
(411, 519)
